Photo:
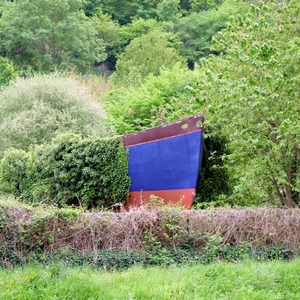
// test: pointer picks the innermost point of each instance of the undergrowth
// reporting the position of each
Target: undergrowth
(110, 260)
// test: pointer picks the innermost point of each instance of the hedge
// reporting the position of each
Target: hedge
(90, 172)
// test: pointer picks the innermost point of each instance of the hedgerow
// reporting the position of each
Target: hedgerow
(146, 236)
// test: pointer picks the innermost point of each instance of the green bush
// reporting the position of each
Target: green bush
(90, 172)
(35, 110)
(133, 65)
(16, 176)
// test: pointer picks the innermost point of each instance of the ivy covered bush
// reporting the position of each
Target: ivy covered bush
(89, 172)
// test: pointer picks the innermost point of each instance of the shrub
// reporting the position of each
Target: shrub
(146, 55)
(213, 182)
(90, 172)
(15, 172)
(35, 110)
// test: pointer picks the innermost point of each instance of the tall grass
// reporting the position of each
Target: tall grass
(244, 280)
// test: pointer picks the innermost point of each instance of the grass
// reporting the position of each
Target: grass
(220, 280)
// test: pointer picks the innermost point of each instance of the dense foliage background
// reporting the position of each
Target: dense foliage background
(100, 68)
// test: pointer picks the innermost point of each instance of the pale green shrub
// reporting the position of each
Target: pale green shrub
(34, 110)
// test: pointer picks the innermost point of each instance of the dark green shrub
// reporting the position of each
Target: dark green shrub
(213, 180)
(120, 259)
(90, 172)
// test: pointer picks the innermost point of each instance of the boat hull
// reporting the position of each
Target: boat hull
(164, 163)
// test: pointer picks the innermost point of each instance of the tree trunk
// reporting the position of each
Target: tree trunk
(288, 196)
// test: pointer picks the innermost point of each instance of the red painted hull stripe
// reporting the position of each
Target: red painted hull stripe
(182, 197)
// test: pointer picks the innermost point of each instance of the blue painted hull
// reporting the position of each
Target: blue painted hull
(165, 162)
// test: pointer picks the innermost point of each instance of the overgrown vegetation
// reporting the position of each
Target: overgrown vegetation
(246, 88)
(66, 170)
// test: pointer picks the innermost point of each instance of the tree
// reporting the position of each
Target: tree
(106, 28)
(91, 7)
(144, 56)
(48, 35)
(127, 10)
(197, 29)
(128, 32)
(136, 108)
(168, 10)
(252, 91)
(200, 5)
(35, 110)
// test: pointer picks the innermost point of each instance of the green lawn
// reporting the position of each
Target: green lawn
(244, 280)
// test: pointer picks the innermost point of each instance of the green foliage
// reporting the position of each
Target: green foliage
(132, 109)
(40, 36)
(7, 72)
(16, 175)
(251, 92)
(146, 55)
(213, 182)
(117, 260)
(126, 33)
(197, 29)
(108, 31)
(106, 28)
(48, 35)
(90, 172)
(91, 7)
(168, 10)
(200, 5)
(34, 110)
(125, 11)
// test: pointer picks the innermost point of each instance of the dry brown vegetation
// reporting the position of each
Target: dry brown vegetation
(23, 230)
